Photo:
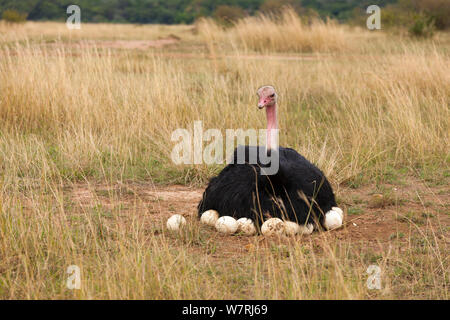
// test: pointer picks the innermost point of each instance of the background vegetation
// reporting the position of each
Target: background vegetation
(186, 11)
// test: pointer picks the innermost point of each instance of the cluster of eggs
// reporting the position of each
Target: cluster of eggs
(227, 224)
(276, 226)
(245, 226)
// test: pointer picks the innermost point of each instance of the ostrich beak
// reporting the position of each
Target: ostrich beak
(261, 103)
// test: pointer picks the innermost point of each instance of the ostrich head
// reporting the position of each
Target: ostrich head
(267, 97)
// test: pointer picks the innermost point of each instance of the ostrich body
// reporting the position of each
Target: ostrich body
(298, 192)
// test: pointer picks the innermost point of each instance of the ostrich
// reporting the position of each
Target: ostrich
(298, 192)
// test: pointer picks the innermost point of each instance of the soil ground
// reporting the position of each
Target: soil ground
(371, 216)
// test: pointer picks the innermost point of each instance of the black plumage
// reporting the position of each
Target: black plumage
(298, 192)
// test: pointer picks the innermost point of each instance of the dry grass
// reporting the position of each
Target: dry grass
(89, 108)
(69, 114)
(286, 33)
(54, 31)
(118, 239)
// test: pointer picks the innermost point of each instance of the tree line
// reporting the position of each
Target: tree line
(422, 17)
(176, 11)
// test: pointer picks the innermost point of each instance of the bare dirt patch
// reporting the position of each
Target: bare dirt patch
(124, 44)
(397, 212)
(132, 44)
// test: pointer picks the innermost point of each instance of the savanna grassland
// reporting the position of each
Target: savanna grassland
(86, 176)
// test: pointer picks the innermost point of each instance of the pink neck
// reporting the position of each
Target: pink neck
(271, 114)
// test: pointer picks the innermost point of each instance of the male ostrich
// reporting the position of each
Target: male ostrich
(298, 192)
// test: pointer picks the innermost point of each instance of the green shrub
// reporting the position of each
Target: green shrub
(272, 6)
(423, 26)
(228, 14)
(439, 10)
(13, 16)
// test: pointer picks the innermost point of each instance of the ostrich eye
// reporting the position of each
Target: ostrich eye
(272, 95)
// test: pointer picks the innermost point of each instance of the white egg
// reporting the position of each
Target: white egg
(209, 217)
(308, 229)
(175, 222)
(226, 224)
(291, 228)
(333, 220)
(246, 226)
(272, 226)
(339, 210)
